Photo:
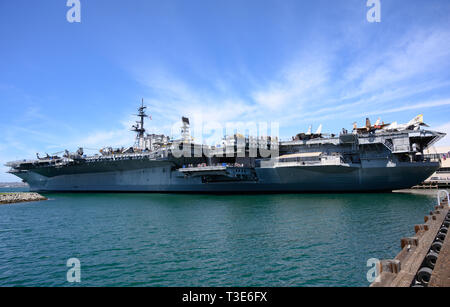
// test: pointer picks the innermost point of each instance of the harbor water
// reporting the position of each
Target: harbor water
(204, 240)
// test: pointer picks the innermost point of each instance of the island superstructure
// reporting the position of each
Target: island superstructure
(379, 157)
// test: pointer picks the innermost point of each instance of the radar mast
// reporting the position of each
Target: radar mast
(139, 127)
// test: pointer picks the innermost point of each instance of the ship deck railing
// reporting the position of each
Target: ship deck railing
(129, 156)
(308, 163)
(66, 161)
(202, 169)
(205, 167)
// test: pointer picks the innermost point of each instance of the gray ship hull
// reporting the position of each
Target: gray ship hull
(371, 158)
(161, 178)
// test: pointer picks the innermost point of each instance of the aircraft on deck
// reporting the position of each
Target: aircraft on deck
(413, 124)
(368, 127)
(309, 135)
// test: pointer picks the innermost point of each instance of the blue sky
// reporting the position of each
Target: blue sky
(64, 85)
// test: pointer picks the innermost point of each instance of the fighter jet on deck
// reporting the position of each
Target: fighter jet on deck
(368, 127)
(413, 124)
(308, 135)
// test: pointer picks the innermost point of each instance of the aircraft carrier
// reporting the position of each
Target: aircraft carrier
(379, 157)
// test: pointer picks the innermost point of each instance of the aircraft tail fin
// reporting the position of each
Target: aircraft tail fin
(416, 120)
(319, 130)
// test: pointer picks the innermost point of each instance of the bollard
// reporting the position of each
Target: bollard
(420, 227)
(391, 265)
(413, 241)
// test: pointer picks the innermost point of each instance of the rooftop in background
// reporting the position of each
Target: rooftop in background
(441, 150)
(437, 150)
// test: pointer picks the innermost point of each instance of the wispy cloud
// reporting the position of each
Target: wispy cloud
(416, 106)
(296, 83)
(446, 129)
(316, 85)
(418, 54)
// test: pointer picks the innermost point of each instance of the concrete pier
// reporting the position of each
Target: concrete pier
(424, 260)
(18, 197)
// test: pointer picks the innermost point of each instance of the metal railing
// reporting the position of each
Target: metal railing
(439, 197)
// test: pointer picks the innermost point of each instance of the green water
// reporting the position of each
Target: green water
(204, 240)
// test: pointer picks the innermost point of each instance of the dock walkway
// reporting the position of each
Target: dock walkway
(424, 260)
(441, 272)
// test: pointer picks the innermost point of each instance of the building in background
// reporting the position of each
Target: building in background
(441, 177)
